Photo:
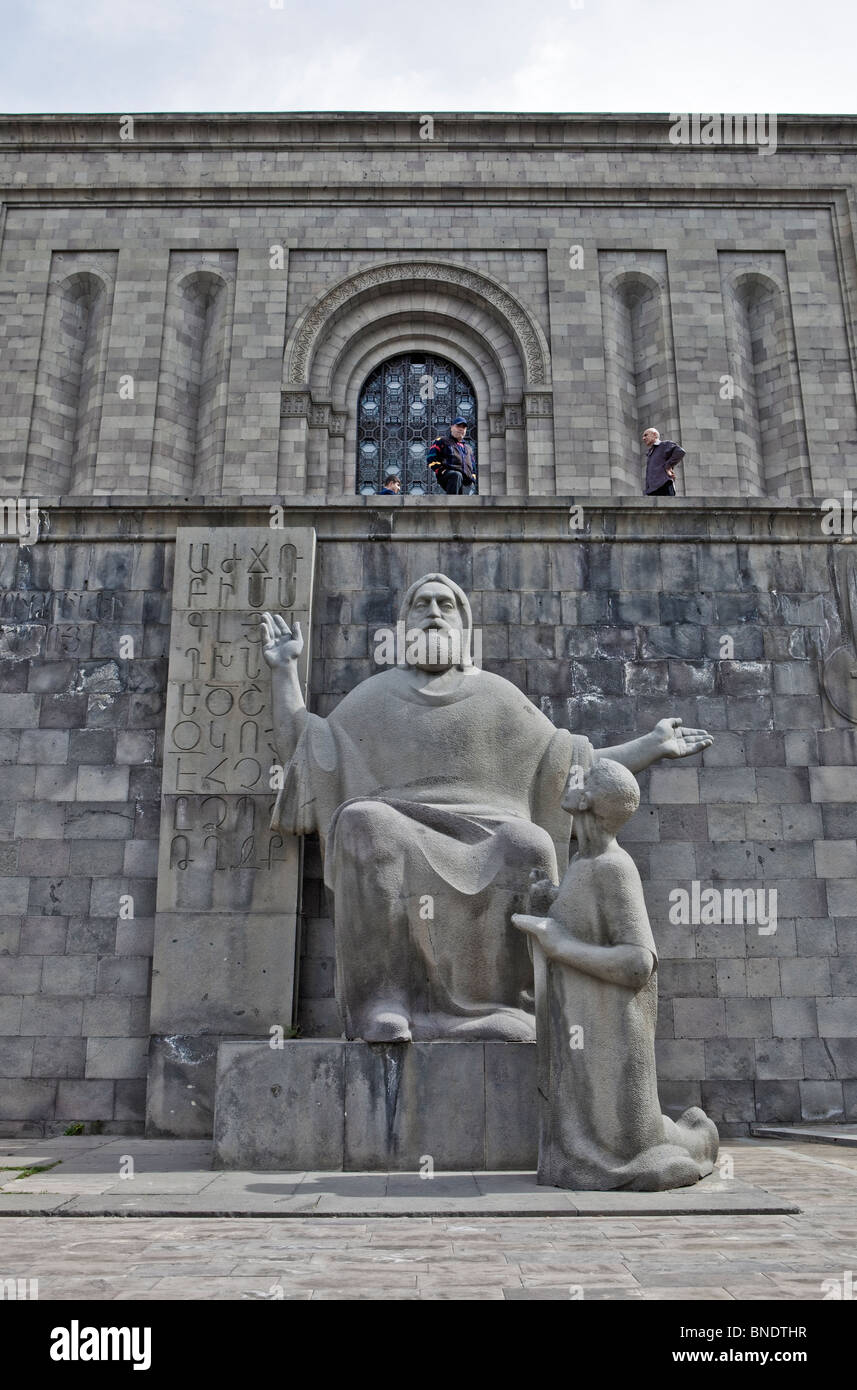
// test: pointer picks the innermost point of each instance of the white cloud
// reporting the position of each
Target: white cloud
(619, 55)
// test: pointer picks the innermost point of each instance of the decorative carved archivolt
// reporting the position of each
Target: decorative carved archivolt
(528, 335)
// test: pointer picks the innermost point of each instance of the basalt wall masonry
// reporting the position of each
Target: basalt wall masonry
(729, 615)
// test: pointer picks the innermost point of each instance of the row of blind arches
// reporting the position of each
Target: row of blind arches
(67, 420)
(406, 401)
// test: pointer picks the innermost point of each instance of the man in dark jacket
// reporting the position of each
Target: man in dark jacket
(661, 460)
(451, 460)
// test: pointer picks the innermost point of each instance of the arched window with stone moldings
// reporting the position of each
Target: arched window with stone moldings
(409, 307)
(405, 403)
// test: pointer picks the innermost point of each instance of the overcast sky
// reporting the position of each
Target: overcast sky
(428, 55)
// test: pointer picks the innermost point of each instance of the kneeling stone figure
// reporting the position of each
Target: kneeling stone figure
(596, 1008)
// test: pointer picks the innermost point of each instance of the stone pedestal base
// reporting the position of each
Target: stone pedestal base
(323, 1104)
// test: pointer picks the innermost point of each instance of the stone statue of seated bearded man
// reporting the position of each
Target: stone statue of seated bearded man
(435, 787)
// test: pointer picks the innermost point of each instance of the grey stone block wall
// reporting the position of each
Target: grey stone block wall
(606, 633)
(80, 759)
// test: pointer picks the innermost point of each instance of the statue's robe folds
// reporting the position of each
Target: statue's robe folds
(432, 805)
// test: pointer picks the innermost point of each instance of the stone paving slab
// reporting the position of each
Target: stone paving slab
(766, 1257)
(74, 1189)
(19, 1161)
(13, 1204)
(812, 1134)
(173, 1178)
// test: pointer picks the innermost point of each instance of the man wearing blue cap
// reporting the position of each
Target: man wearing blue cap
(452, 461)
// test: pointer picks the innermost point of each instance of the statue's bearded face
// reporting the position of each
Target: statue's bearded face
(434, 615)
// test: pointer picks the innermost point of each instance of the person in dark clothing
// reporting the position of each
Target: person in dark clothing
(392, 485)
(661, 460)
(451, 459)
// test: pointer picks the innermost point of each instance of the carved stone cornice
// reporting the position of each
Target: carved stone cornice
(538, 405)
(496, 423)
(719, 521)
(295, 404)
(299, 405)
(389, 130)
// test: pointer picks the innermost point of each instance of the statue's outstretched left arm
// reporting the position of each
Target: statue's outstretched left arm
(668, 739)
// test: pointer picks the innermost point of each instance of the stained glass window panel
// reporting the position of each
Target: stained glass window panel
(405, 404)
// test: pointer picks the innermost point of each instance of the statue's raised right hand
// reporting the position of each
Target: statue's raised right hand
(279, 645)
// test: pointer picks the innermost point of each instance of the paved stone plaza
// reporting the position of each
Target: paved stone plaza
(262, 1251)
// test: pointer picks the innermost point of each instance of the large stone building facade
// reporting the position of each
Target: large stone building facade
(195, 314)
